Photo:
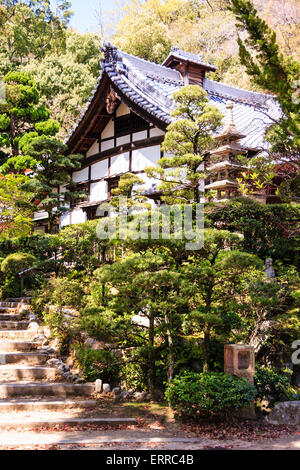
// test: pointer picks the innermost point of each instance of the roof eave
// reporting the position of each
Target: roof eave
(98, 101)
(206, 67)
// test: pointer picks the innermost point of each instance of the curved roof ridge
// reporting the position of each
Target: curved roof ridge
(152, 94)
(131, 84)
(157, 67)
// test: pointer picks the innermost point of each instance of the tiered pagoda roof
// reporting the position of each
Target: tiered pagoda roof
(227, 170)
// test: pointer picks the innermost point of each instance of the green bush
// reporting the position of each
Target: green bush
(66, 293)
(98, 364)
(194, 395)
(97, 323)
(42, 246)
(11, 287)
(272, 384)
(17, 262)
(60, 292)
(64, 327)
(135, 370)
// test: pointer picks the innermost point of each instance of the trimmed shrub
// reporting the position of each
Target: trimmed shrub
(11, 287)
(194, 395)
(17, 262)
(65, 293)
(98, 364)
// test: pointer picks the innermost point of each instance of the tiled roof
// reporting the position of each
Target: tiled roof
(252, 112)
(225, 164)
(151, 86)
(187, 56)
(221, 184)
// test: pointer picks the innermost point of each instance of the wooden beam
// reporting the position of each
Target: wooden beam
(157, 140)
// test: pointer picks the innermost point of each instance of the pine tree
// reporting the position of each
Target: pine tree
(16, 209)
(129, 189)
(22, 118)
(52, 170)
(271, 70)
(187, 140)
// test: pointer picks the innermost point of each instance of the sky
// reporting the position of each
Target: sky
(85, 16)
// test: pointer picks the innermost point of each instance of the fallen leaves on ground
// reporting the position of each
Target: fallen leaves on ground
(242, 430)
(80, 427)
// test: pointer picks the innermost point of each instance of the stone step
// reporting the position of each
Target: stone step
(10, 317)
(22, 335)
(18, 299)
(7, 309)
(30, 358)
(48, 423)
(18, 346)
(19, 373)
(13, 325)
(114, 440)
(50, 405)
(46, 389)
(9, 304)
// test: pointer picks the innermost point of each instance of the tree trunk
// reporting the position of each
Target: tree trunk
(103, 294)
(151, 360)
(207, 328)
(196, 195)
(171, 350)
(12, 136)
(50, 222)
(206, 350)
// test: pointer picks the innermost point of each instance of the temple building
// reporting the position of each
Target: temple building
(123, 126)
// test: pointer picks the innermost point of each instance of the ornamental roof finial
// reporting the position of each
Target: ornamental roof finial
(230, 120)
(110, 53)
(229, 129)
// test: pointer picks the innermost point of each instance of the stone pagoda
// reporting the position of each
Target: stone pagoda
(223, 167)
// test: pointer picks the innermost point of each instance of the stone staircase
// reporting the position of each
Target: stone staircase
(30, 392)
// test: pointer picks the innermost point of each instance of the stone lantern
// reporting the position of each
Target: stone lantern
(239, 360)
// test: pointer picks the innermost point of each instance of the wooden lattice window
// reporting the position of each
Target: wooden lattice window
(129, 123)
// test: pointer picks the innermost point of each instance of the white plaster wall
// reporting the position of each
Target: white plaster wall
(93, 149)
(123, 140)
(122, 110)
(108, 144)
(155, 132)
(65, 219)
(78, 217)
(139, 136)
(119, 164)
(99, 170)
(108, 130)
(143, 158)
(81, 175)
(98, 191)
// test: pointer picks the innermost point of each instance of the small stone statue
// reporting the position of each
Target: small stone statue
(270, 273)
